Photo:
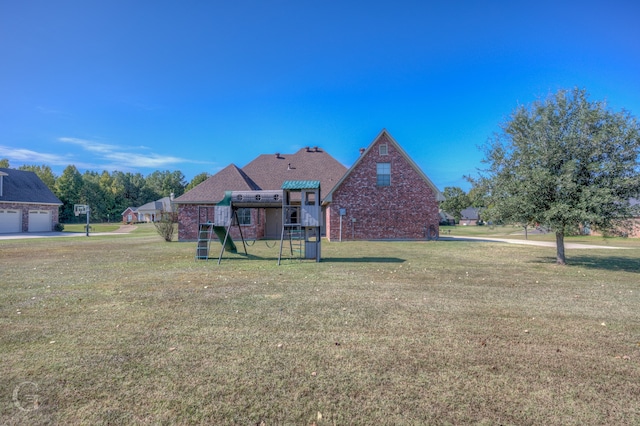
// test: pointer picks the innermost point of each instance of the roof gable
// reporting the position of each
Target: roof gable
(23, 186)
(213, 189)
(130, 209)
(385, 137)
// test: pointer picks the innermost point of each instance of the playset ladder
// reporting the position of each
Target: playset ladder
(204, 240)
(294, 235)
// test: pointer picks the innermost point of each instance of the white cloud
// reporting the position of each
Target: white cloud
(94, 155)
(120, 157)
(29, 156)
(141, 160)
(50, 111)
(90, 145)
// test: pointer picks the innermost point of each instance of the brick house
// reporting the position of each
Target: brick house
(265, 172)
(395, 200)
(470, 216)
(384, 195)
(26, 203)
(130, 215)
(150, 212)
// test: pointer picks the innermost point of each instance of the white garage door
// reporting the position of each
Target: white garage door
(39, 221)
(10, 221)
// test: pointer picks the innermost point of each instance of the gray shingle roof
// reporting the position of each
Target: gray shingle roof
(470, 213)
(270, 171)
(163, 204)
(22, 186)
(231, 178)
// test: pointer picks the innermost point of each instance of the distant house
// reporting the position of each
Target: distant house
(470, 216)
(150, 212)
(446, 218)
(628, 228)
(26, 203)
(633, 230)
(384, 195)
(130, 215)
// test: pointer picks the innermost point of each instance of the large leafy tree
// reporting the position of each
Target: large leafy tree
(455, 201)
(129, 189)
(197, 180)
(69, 190)
(93, 195)
(562, 162)
(164, 183)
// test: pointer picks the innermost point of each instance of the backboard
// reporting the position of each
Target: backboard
(79, 209)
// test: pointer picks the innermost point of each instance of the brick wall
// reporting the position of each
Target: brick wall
(125, 216)
(404, 210)
(188, 223)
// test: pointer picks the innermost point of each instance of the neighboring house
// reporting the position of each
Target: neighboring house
(446, 218)
(470, 216)
(152, 212)
(628, 228)
(265, 172)
(634, 230)
(130, 215)
(26, 203)
(384, 195)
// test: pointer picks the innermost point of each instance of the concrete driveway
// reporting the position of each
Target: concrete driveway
(124, 229)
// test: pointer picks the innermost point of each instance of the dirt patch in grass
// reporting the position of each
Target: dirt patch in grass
(134, 330)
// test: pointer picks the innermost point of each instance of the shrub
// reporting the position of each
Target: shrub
(166, 225)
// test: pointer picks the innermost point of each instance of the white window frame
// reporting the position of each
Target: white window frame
(244, 216)
(383, 174)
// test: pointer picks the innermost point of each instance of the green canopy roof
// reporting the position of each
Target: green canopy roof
(293, 185)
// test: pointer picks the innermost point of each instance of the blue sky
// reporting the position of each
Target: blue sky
(196, 85)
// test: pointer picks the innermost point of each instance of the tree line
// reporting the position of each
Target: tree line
(109, 194)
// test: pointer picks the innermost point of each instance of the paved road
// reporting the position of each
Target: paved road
(531, 242)
(124, 229)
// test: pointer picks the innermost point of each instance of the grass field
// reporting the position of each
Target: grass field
(133, 330)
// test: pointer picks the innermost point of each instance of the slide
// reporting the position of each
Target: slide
(221, 231)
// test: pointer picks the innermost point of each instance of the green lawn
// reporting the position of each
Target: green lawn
(130, 329)
(93, 227)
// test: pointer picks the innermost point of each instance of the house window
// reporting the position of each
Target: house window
(383, 149)
(244, 216)
(383, 174)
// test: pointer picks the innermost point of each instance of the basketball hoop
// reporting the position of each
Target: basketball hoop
(79, 209)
